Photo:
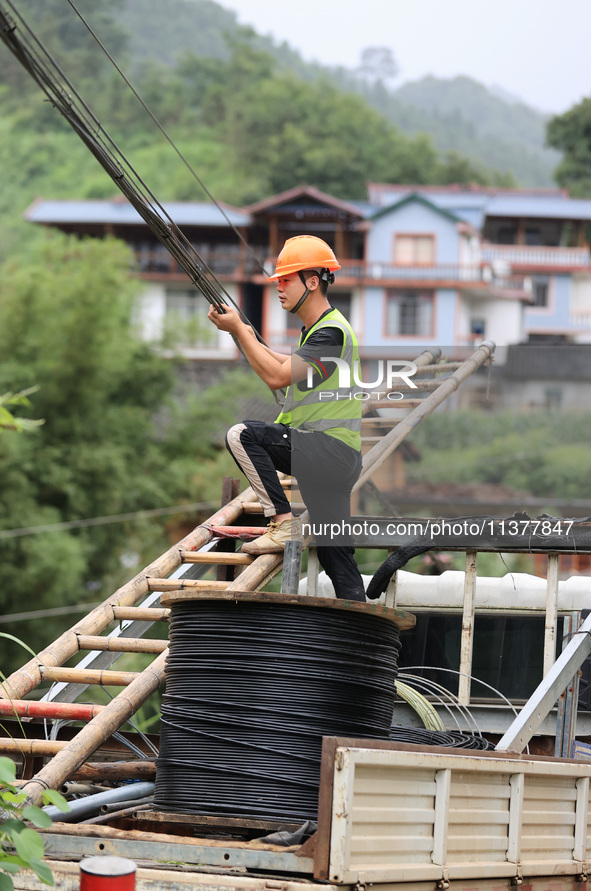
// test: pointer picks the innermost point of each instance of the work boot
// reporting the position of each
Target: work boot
(273, 540)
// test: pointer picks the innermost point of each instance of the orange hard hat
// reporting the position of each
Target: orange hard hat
(304, 252)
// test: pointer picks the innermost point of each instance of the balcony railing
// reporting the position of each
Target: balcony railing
(457, 273)
(534, 256)
(580, 320)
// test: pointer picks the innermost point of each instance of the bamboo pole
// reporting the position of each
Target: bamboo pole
(423, 360)
(25, 679)
(103, 677)
(121, 644)
(142, 614)
(63, 711)
(443, 367)
(70, 758)
(378, 454)
(112, 771)
(219, 557)
(258, 574)
(180, 584)
(37, 747)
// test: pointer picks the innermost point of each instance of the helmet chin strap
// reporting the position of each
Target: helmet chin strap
(304, 295)
(324, 275)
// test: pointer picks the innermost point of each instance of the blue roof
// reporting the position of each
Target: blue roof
(183, 213)
(474, 207)
(544, 206)
(364, 207)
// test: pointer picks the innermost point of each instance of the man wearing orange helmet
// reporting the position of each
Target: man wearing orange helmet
(316, 437)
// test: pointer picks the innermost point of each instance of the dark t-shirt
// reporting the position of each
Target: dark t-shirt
(323, 342)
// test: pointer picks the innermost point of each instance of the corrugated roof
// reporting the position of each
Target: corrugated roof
(475, 206)
(534, 206)
(121, 213)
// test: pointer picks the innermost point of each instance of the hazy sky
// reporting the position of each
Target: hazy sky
(536, 49)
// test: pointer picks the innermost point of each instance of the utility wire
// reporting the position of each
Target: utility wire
(193, 173)
(102, 521)
(46, 613)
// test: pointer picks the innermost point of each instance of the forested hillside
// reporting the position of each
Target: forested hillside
(459, 114)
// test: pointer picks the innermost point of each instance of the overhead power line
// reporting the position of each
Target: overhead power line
(102, 521)
(46, 613)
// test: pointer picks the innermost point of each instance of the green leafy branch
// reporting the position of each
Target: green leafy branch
(9, 422)
(20, 845)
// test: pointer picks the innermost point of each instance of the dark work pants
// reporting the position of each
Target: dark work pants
(325, 469)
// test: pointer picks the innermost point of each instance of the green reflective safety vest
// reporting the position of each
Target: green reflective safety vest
(337, 412)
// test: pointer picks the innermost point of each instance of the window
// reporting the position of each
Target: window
(540, 285)
(414, 250)
(410, 313)
(477, 327)
(186, 321)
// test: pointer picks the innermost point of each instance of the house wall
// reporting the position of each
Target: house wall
(412, 219)
(503, 319)
(554, 318)
(580, 315)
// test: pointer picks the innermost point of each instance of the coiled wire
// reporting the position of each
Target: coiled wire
(251, 689)
(455, 739)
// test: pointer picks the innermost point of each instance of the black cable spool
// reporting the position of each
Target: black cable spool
(252, 686)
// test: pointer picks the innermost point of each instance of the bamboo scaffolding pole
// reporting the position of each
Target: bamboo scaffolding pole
(102, 677)
(219, 557)
(258, 574)
(143, 614)
(42, 748)
(25, 679)
(121, 644)
(78, 750)
(112, 771)
(180, 584)
(423, 360)
(63, 711)
(420, 386)
(444, 366)
(378, 454)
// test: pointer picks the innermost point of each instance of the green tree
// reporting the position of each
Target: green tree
(571, 133)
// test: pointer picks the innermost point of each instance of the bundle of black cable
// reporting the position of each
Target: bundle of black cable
(251, 689)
